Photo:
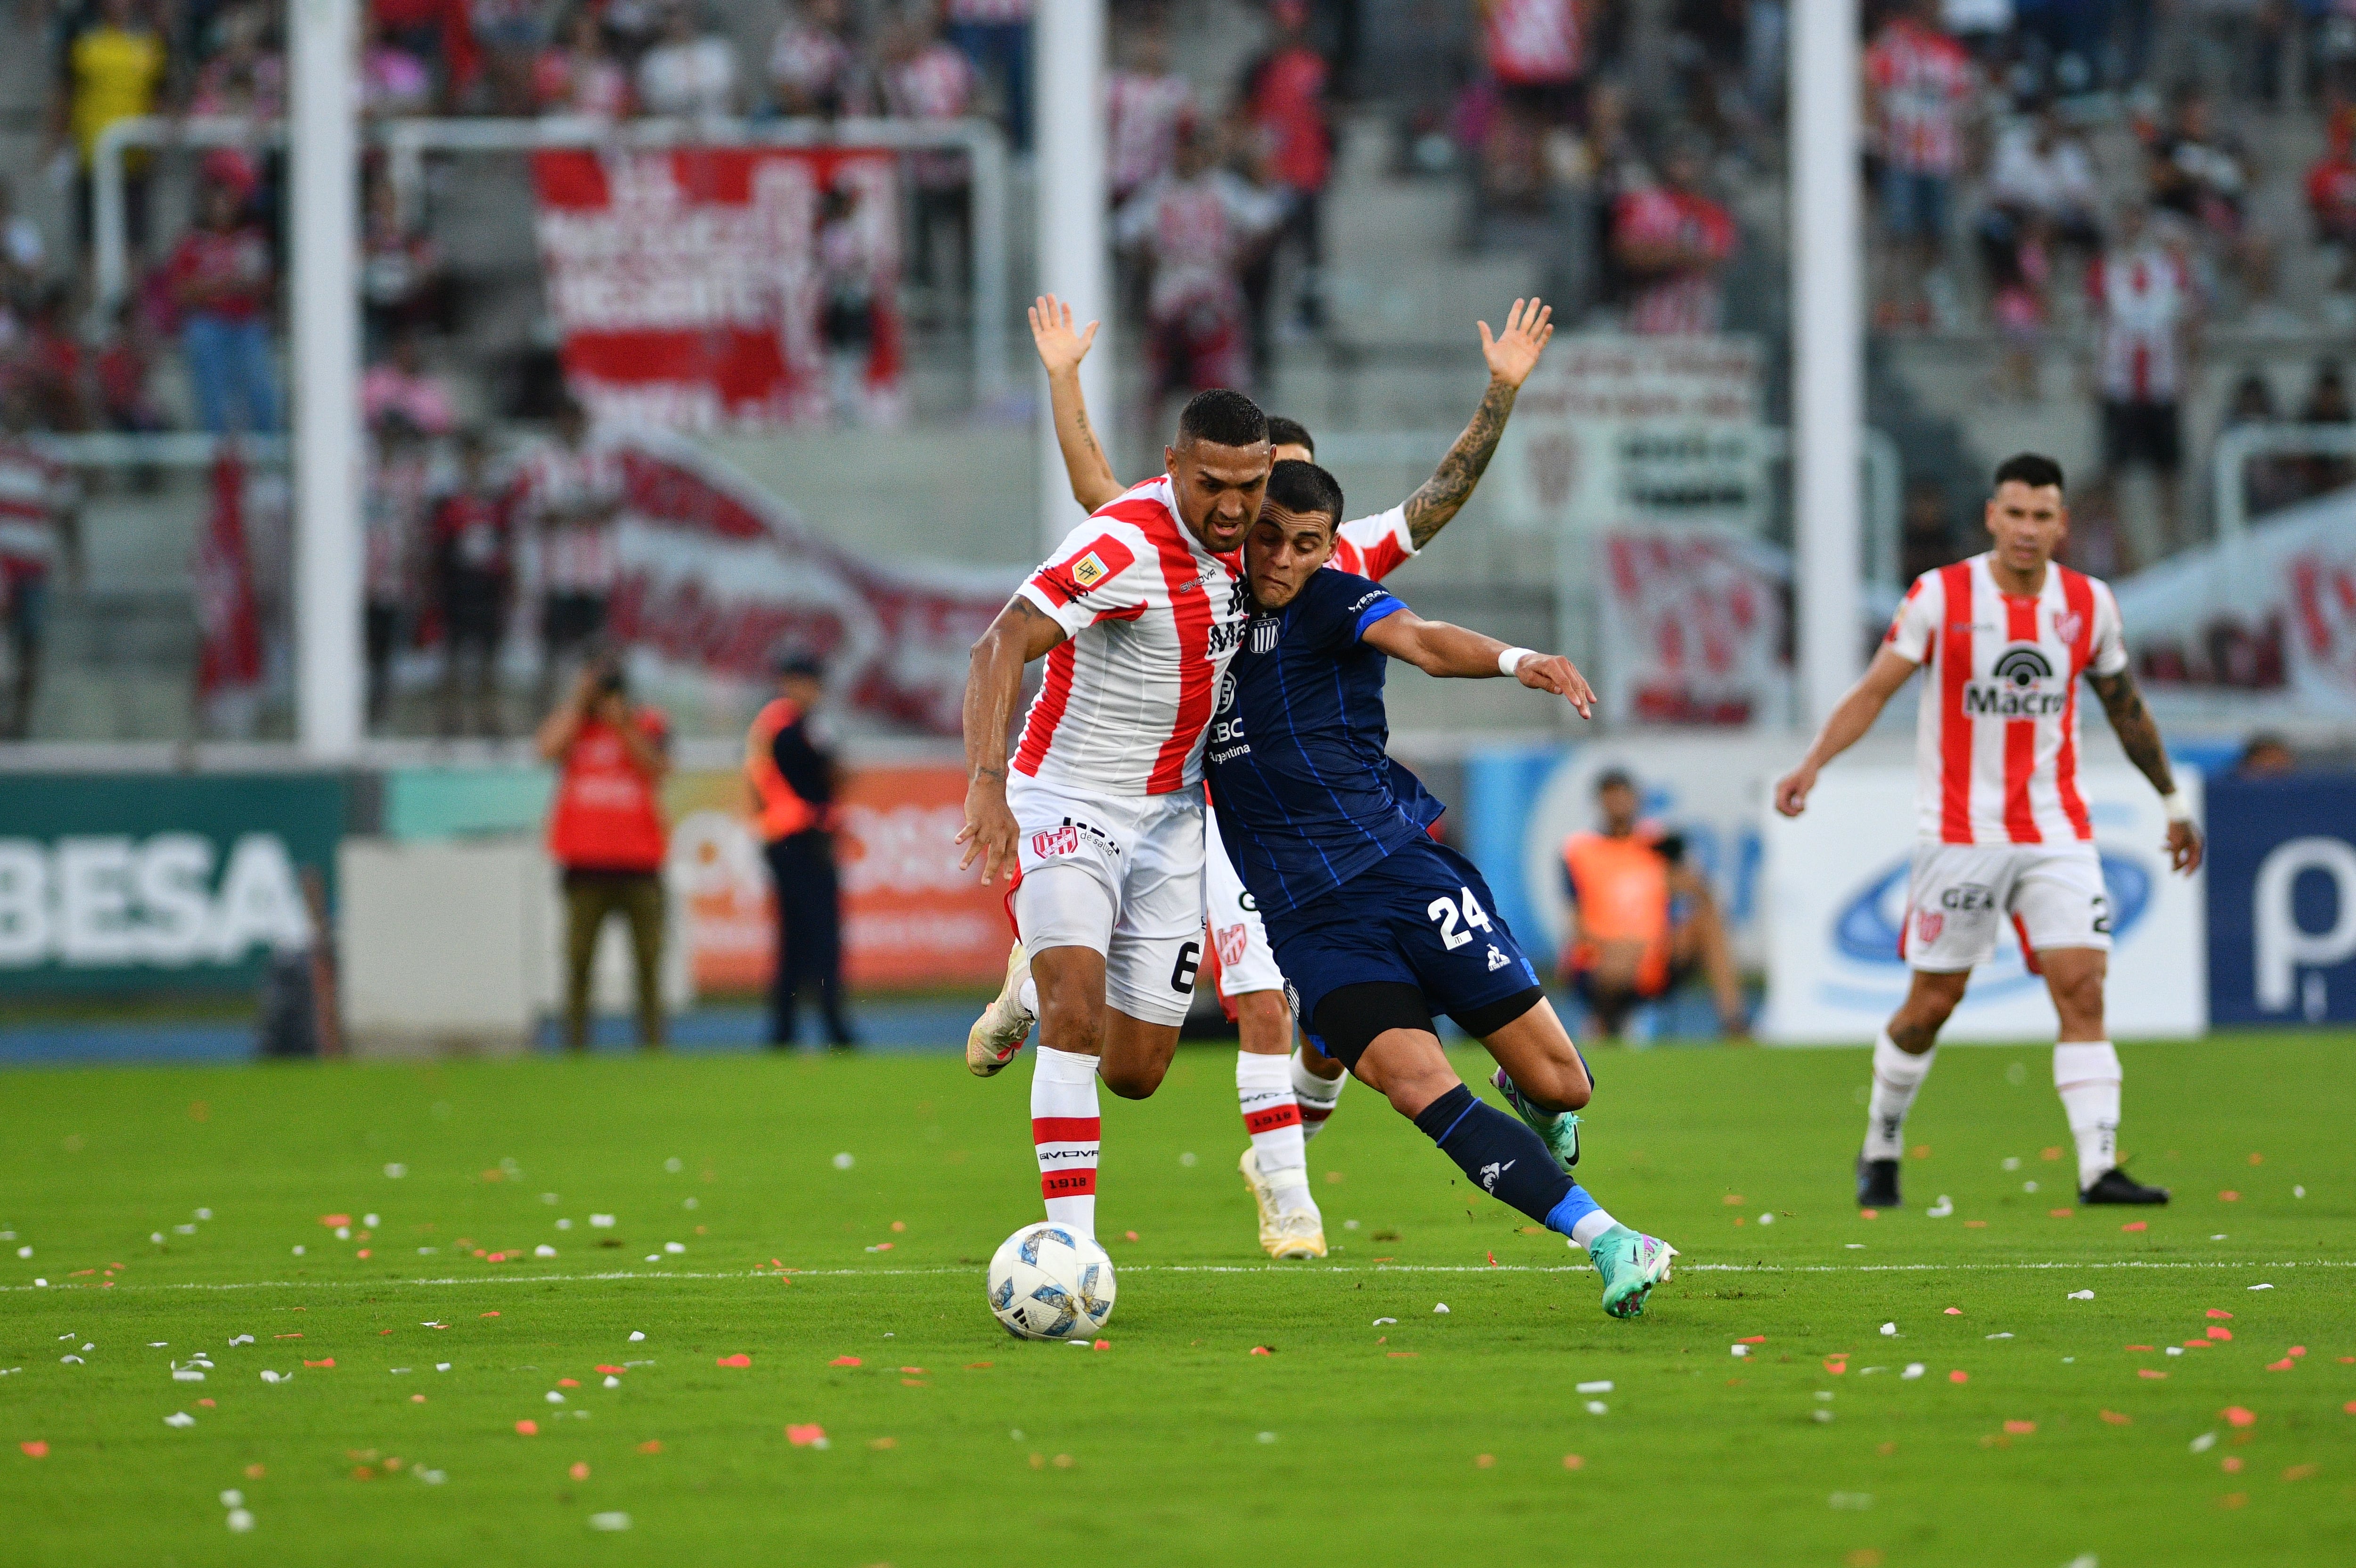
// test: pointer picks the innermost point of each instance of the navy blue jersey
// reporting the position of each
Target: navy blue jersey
(1307, 798)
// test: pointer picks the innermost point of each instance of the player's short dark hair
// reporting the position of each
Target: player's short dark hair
(1224, 417)
(2033, 469)
(1283, 431)
(1301, 488)
(1614, 778)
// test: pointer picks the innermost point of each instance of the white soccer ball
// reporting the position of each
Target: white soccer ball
(1050, 1282)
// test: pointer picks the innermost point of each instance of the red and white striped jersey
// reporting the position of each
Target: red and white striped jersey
(1922, 79)
(1996, 746)
(1532, 43)
(1374, 547)
(1152, 619)
(35, 491)
(2145, 296)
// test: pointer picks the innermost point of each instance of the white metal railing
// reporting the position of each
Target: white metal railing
(408, 140)
(2231, 457)
(166, 449)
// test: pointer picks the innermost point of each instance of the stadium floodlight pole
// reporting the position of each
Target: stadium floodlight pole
(1828, 348)
(1068, 50)
(324, 224)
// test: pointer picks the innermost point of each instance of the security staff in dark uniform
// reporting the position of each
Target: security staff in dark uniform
(794, 779)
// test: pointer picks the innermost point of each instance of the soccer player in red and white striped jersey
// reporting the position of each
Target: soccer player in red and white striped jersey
(1097, 817)
(2002, 828)
(1285, 1094)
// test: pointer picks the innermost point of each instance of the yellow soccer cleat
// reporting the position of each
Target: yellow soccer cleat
(1004, 1025)
(1298, 1234)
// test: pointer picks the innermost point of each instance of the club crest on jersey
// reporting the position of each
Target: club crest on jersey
(1264, 630)
(1054, 841)
(2068, 624)
(2021, 688)
(1928, 924)
(1232, 941)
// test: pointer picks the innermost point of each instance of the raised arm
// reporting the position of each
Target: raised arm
(993, 684)
(1512, 355)
(1061, 349)
(2140, 736)
(1851, 717)
(1438, 649)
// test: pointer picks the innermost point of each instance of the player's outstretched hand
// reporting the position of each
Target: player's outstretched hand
(988, 832)
(1792, 791)
(1060, 348)
(2184, 847)
(1552, 672)
(1514, 353)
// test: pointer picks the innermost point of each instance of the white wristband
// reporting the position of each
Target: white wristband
(2178, 809)
(1509, 663)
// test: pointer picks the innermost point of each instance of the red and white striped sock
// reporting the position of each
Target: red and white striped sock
(1316, 1096)
(1272, 1117)
(1064, 1132)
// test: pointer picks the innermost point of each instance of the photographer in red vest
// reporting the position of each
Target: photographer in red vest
(606, 833)
(793, 778)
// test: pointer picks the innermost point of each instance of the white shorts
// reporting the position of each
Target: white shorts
(1246, 962)
(1121, 875)
(1959, 895)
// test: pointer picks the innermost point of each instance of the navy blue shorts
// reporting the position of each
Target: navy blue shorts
(1419, 917)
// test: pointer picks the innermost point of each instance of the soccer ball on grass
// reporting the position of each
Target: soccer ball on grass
(1050, 1282)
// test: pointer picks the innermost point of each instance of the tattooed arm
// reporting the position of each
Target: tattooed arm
(1512, 355)
(2132, 721)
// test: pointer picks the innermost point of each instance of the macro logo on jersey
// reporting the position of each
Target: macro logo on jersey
(2023, 687)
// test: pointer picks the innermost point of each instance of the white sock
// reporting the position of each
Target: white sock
(1272, 1117)
(2086, 1076)
(1316, 1096)
(1584, 1230)
(1896, 1077)
(1028, 997)
(1064, 1133)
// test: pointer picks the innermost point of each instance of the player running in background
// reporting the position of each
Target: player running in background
(2002, 826)
(1376, 925)
(1285, 1095)
(1097, 817)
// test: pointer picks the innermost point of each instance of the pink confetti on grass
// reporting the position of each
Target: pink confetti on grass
(35, 1448)
(332, 1220)
(568, 1382)
(2229, 1196)
(611, 1371)
(1868, 1213)
(651, 1445)
(2220, 1333)
(328, 1363)
(1959, 1376)
(1573, 1462)
(2284, 1365)
(2218, 1312)
(490, 1315)
(802, 1436)
(1128, 1235)
(1954, 1311)
(2297, 1350)
(2020, 1428)
(580, 1470)
(738, 1360)
(1753, 1339)
(2236, 1416)
(528, 1428)
(2152, 1372)
(2059, 1214)
(2115, 1419)
(1101, 1344)
(1835, 1365)
(844, 1361)
(1259, 1350)
(2133, 1225)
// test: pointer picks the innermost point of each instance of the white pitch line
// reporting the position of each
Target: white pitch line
(1271, 1269)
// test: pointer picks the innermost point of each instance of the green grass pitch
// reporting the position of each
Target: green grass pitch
(2038, 1433)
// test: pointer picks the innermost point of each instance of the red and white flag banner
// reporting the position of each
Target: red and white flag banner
(1694, 628)
(716, 575)
(689, 287)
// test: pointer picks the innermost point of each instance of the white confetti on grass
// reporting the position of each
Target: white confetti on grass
(2262, 1287)
(2082, 1296)
(544, 1251)
(601, 1221)
(636, 1336)
(1380, 1321)
(1913, 1370)
(1603, 1386)
(1440, 1308)
(239, 1521)
(1890, 1330)
(179, 1418)
(609, 1521)
(843, 1161)
(2202, 1443)
(1597, 1407)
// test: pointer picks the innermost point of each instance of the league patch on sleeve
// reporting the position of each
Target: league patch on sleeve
(1103, 561)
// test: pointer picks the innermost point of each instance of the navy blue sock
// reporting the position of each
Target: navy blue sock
(1504, 1159)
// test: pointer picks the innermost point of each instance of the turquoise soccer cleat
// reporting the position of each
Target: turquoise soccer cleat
(1630, 1264)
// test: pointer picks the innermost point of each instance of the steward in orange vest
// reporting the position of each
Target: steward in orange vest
(1642, 920)
(793, 777)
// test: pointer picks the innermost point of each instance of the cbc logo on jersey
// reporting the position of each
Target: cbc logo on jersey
(1054, 841)
(2022, 687)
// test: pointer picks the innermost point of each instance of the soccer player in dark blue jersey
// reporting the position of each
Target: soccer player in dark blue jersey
(1376, 925)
